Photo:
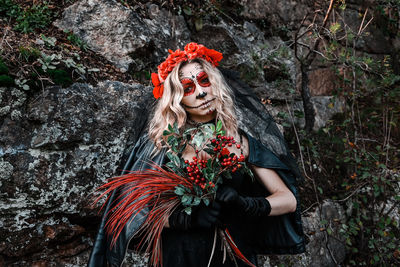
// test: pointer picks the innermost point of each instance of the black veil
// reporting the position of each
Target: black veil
(254, 118)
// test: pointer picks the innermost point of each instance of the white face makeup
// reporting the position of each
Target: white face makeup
(197, 100)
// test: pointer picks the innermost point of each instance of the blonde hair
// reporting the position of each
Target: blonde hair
(169, 109)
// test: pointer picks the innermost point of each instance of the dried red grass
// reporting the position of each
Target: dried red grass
(151, 189)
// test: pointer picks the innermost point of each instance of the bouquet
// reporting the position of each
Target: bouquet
(180, 182)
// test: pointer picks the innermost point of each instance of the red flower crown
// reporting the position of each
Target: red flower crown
(191, 51)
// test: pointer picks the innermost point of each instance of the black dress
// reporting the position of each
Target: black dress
(193, 248)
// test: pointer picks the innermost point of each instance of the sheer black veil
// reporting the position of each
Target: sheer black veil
(254, 118)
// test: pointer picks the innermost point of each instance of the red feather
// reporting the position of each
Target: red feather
(238, 253)
(152, 189)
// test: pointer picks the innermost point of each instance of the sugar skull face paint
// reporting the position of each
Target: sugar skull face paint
(189, 84)
(198, 99)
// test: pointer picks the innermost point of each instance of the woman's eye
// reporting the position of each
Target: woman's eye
(188, 88)
(204, 82)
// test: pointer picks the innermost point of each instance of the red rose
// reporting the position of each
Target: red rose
(177, 56)
(154, 79)
(191, 50)
(158, 86)
(214, 55)
(191, 47)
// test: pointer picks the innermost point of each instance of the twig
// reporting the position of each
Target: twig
(352, 193)
(5, 33)
(329, 249)
(362, 22)
(315, 51)
(388, 140)
(298, 140)
(312, 205)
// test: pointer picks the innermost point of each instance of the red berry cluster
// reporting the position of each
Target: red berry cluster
(220, 143)
(195, 173)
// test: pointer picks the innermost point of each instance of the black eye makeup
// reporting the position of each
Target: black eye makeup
(202, 79)
(188, 86)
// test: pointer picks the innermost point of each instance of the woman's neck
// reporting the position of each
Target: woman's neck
(193, 123)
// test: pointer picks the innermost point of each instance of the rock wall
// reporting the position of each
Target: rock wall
(64, 143)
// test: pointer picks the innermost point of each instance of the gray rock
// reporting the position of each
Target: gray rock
(71, 140)
(326, 246)
(278, 13)
(325, 108)
(267, 65)
(121, 35)
(373, 39)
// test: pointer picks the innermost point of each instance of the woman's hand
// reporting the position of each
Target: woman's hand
(202, 217)
(250, 206)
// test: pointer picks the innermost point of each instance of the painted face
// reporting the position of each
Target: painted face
(189, 85)
(198, 100)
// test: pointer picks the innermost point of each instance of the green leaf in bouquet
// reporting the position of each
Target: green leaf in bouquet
(176, 127)
(221, 132)
(186, 200)
(206, 201)
(210, 146)
(198, 139)
(196, 201)
(170, 140)
(179, 190)
(248, 171)
(209, 151)
(212, 127)
(170, 128)
(197, 190)
(171, 165)
(188, 210)
(181, 148)
(174, 159)
(219, 125)
(208, 130)
(165, 132)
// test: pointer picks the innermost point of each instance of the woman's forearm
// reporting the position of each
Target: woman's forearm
(282, 202)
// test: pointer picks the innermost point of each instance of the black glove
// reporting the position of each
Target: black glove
(201, 217)
(251, 206)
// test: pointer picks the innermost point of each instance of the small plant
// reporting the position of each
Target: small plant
(29, 54)
(9, 8)
(75, 40)
(48, 41)
(22, 83)
(31, 18)
(49, 61)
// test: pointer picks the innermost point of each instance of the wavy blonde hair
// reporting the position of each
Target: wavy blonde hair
(169, 109)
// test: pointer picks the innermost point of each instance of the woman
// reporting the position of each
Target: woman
(262, 215)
